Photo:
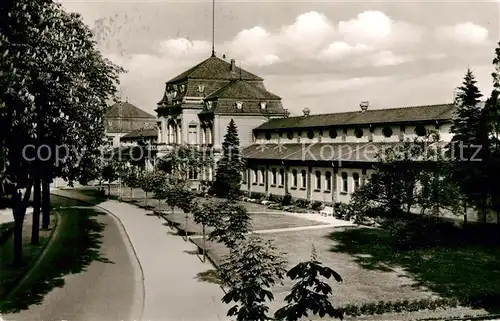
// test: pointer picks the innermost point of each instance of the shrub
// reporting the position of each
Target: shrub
(287, 199)
(316, 205)
(272, 198)
(302, 203)
(342, 211)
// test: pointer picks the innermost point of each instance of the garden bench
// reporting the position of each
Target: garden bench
(327, 211)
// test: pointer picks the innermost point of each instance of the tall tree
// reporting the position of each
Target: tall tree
(55, 85)
(230, 166)
(466, 145)
(206, 214)
(249, 272)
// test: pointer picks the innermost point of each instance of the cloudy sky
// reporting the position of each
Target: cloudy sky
(324, 55)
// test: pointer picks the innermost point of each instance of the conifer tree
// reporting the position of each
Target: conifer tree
(229, 167)
(466, 146)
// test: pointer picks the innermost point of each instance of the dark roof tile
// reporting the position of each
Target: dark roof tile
(389, 115)
(214, 68)
(241, 89)
(127, 111)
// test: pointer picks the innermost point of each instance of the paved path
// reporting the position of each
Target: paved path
(103, 291)
(172, 291)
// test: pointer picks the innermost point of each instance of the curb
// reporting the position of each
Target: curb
(45, 247)
(137, 312)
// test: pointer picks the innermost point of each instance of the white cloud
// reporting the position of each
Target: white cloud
(467, 32)
(254, 46)
(309, 32)
(375, 27)
(389, 58)
(182, 47)
(339, 50)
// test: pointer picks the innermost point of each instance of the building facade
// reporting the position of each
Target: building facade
(123, 118)
(322, 157)
(198, 105)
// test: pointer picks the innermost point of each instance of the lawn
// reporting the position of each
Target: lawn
(373, 271)
(10, 276)
(75, 247)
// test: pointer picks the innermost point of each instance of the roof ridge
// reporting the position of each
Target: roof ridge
(371, 110)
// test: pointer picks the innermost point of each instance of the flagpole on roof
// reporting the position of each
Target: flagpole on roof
(213, 28)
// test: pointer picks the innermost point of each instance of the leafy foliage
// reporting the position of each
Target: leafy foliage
(310, 293)
(234, 224)
(229, 167)
(178, 194)
(148, 181)
(183, 159)
(132, 178)
(251, 269)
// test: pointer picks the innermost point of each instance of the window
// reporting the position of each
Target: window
(268, 135)
(332, 133)
(345, 184)
(193, 174)
(294, 178)
(420, 131)
(192, 133)
(299, 133)
(303, 175)
(262, 176)
(274, 178)
(289, 135)
(255, 177)
(310, 134)
(282, 177)
(358, 132)
(318, 180)
(387, 131)
(355, 177)
(328, 181)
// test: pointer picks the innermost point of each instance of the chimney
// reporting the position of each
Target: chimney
(306, 111)
(364, 105)
(233, 65)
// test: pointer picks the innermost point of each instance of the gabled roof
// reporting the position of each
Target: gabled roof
(241, 89)
(441, 112)
(141, 133)
(215, 68)
(127, 111)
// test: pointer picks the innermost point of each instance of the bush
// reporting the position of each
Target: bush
(342, 211)
(272, 198)
(287, 199)
(316, 205)
(302, 203)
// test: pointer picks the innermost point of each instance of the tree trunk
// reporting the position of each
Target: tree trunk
(204, 243)
(186, 227)
(37, 194)
(159, 204)
(131, 193)
(19, 205)
(146, 206)
(45, 204)
(109, 189)
(465, 213)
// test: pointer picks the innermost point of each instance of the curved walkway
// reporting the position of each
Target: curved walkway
(172, 290)
(103, 291)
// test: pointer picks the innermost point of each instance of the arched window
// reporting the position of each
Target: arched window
(262, 176)
(355, 177)
(387, 131)
(255, 177)
(420, 131)
(303, 175)
(358, 132)
(268, 135)
(274, 179)
(328, 181)
(332, 133)
(294, 178)
(318, 180)
(282, 177)
(310, 134)
(345, 183)
(289, 135)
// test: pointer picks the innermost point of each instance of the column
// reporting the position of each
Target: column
(266, 179)
(363, 177)
(334, 184)
(309, 173)
(287, 173)
(179, 133)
